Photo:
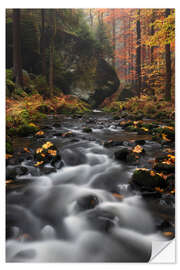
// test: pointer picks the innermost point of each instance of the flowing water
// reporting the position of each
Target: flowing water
(84, 211)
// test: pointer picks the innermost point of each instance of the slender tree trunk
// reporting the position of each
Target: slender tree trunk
(17, 64)
(43, 55)
(91, 17)
(138, 54)
(168, 66)
(152, 33)
(51, 52)
(114, 37)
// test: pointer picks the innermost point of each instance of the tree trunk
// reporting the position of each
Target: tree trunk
(114, 38)
(51, 52)
(138, 54)
(168, 66)
(17, 64)
(152, 33)
(43, 55)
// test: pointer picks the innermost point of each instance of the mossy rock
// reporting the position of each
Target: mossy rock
(27, 129)
(9, 148)
(165, 168)
(144, 179)
(131, 128)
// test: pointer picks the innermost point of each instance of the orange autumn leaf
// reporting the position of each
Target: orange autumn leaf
(8, 156)
(47, 145)
(152, 173)
(26, 150)
(9, 182)
(40, 132)
(167, 233)
(119, 196)
(164, 137)
(172, 158)
(38, 163)
(137, 149)
(43, 155)
(159, 189)
(52, 152)
(39, 150)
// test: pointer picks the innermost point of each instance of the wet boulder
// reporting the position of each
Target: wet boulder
(122, 154)
(146, 179)
(87, 202)
(73, 157)
(12, 172)
(106, 82)
(111, 143)
(101, 220)
(87, 129)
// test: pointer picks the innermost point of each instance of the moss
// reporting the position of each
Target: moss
(9, 148)
(27, 129)
(144, 178)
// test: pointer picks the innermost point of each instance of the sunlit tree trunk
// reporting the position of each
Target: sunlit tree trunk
(138, 54)
(168, 66)
(17, 64)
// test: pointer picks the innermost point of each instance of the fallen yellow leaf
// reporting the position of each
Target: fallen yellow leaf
(8, 156)
(40, 132)
(164, 137)
(39, 150)
(167, 233)
(26, 150)
(117, 195)
(47, 145)
(39, 163)
(137, 149)
(159, 189)
(152, 173)
(52, 152)
(9, 181)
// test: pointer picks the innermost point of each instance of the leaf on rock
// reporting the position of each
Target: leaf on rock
(52, 152)
(26, 150)
(167, 233)
(39, 150)
(40, 132)
(47, 145)
(38, 163)
(159, 189)
(164, 137)
(117, 195)
(137, 149)
(8, 156)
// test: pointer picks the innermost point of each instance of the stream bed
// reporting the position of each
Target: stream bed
(81, 208)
